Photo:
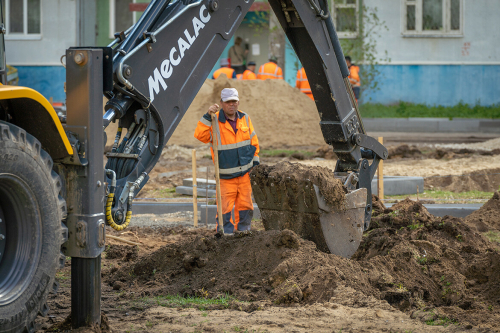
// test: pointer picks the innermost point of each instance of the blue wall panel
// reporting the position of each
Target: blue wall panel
(445, 85)
(47, 80)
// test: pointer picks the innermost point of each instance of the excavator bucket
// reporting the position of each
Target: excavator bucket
(299, 206)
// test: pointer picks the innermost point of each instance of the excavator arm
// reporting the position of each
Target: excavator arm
(161, 62)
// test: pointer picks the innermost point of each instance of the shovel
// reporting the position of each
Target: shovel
(217, 176)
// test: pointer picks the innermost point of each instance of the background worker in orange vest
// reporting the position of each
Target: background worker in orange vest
(249, 73)
(238, 154)
(224, 68)
(303, 84)
(270, 70)
(354, 77)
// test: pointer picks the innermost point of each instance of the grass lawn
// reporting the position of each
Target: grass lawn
(407, 110)
(444, 196)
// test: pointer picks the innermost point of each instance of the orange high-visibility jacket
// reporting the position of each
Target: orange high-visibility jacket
(238, 152)
(239, 76)
(270, 70)
(230, 73)
(303, 84)
(249, 75)
(354, 76)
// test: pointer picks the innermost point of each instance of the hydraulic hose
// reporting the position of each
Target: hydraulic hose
(109, 205)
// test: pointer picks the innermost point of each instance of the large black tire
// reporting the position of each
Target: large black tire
(32, 229)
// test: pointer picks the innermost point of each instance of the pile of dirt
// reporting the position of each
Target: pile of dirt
(124, 252)
(487, 217)
(269, 103)
(432, 267)
(487, 180)
(286, 176)
(404, 151)
(269, 265)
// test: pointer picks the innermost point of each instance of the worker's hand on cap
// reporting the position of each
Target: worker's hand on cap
(213, 109)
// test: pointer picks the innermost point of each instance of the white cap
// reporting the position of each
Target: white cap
(229, 94)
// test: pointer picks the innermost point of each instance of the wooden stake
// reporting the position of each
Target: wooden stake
(217, 176)
(122, 240)
(206, 201)
(195, 188)
(380, 175)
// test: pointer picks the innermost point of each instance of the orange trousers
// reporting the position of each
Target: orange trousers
(236, 193)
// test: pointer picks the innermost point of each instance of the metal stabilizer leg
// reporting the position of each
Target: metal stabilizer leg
(84, 184)
(85, 291)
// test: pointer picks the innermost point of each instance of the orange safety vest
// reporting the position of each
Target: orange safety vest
(270, 70)
(226, 70)
(239, 76)
(239, 152)
(354, 76)
(249, 75)
(303, 84)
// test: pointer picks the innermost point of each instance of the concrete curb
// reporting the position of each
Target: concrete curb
(434, 125)
(456, 210)
(399, 185)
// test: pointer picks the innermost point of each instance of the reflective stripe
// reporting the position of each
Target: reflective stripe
(252, 135)
(235, 145)
(256, 159)
(205, 122)
(305, 89)
(236, 169)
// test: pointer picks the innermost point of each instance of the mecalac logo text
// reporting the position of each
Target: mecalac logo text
(176, 54)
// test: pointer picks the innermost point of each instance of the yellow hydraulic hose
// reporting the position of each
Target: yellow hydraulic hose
(109, 205)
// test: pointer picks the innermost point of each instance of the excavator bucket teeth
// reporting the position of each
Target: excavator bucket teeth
(299, 207)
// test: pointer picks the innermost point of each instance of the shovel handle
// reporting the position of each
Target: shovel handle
(217, 175)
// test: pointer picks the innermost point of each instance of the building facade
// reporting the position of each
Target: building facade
(442, 52)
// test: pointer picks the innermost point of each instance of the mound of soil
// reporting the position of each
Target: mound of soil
(487, 217)
(432, 267)
(286, 175)
(404, 151)
(270, 265)
(487, 180)
(125, 252)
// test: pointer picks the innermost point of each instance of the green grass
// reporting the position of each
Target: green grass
(285, 153)
(440, 321)
(179, 301)
(448, 195)
(407, 110)
(493, 236)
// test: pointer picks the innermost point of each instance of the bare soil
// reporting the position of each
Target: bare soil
(487, 217)
(412, 271)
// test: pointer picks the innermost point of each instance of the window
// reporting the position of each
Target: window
(345, 15)
(22, 19)
(432, 18)
(120, 16)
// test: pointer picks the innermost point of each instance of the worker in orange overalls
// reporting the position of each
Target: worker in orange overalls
(238, 153)
(354, 77)
(303, 84)
(224, 68)
(270, 70)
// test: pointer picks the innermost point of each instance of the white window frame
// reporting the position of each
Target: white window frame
(345, 34)
(418, 32)
(24, 35)
(112, 23)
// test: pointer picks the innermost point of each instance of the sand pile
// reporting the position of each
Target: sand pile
(488, 216)
(281, 114)
(489, 145)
